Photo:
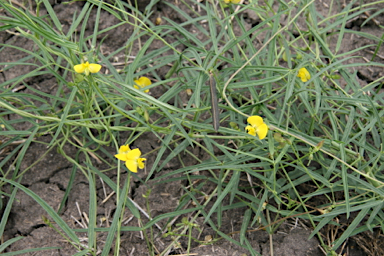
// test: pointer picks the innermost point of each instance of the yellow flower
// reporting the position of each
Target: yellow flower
(131, 158)
(304, 74)
(87, 68)
(142, 82)
(257, 126)
(232, 1)
(124, 149)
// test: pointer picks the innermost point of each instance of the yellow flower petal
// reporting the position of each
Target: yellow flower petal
(255, 120)
(79, 68)
(257, 126)
(134, 154)
(131, 165)
(142, 82)
(121, 156)
(124, 149)
(304, 74)
(86, 68)
(250, 130)
(94, 68)
(262, 131)
(140, 162)
(232, 1)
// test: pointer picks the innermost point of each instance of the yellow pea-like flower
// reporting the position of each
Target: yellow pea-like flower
(131, 158)
(257, 126)
(87, 68)
(142, 82)
(304, 74)
(232, 1)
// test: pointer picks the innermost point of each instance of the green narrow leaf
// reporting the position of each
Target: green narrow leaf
(115, 221)
(164, 146)
(131, 206)
(7, 243)
(319, 226)
(30, 251)
(323, 44)
(342, 27)
(251, 249)
(52, 15)
(347, 233)
(67, 108)
(344, 177)
(220, 198)
(260, 207)
(4, 218)
(56, 218)
(24, 150)
(92, 212)
(373, 215)
(170, 215)
(96, 26)
(245, 225)
(68, 189)
(349, 125)
(272, 53)
(78, 20)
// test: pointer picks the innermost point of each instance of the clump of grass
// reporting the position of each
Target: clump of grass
(325, 129)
